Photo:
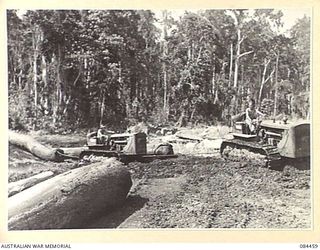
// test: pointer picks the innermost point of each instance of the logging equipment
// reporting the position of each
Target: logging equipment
(277, 141)
(126, 147)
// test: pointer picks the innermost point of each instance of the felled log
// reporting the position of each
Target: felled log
(72, 199)
(73, 152)
(29, 144)
(188, 137)
(18, 186)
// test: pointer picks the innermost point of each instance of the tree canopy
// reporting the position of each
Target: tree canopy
(84, 68)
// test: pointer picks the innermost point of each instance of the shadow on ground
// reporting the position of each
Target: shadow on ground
(115, 218)
(298, 163)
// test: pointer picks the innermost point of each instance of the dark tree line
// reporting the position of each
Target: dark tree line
(82, 68)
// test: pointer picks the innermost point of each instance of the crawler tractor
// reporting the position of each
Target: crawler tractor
(127, 147)
(275, 141)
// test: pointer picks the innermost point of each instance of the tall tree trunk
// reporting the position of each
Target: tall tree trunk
(266, 63)
(288, 75)
(236, 62)
(165, 84)
(20, 79)
(67, 102)
(59, 86)
(264, 79)
(276, 86)
(189, 53)
(86, 72)
(165, 89)
(35, 40)
(55, 104)
(237, 59)
(120, 79)
(59, 82)
(102, 106)
(238, 18)
(35, 81)
(213, 78)
(231, 64)
(242, 70)
(45, 100)
(20, 73)
(11, 71)
(223, 71)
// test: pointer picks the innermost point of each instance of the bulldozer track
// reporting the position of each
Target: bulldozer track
(271, 152)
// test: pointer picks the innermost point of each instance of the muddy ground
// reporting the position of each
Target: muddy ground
(194, 190)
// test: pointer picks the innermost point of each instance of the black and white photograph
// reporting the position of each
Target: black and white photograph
(160, 119)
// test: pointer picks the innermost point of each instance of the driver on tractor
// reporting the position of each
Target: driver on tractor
(103, 135)
(253, 117)
(101, 138)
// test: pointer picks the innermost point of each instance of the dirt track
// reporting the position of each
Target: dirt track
(193, 192)
(198, 192)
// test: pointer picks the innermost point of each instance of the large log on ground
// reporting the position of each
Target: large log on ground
(72, 199)
(26, 142)
(18, 186)
(73, 152)
(188, 137)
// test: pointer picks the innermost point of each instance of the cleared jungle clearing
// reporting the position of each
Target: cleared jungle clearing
(195, 190)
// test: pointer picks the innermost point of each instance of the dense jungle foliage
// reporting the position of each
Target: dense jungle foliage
(83, 68)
